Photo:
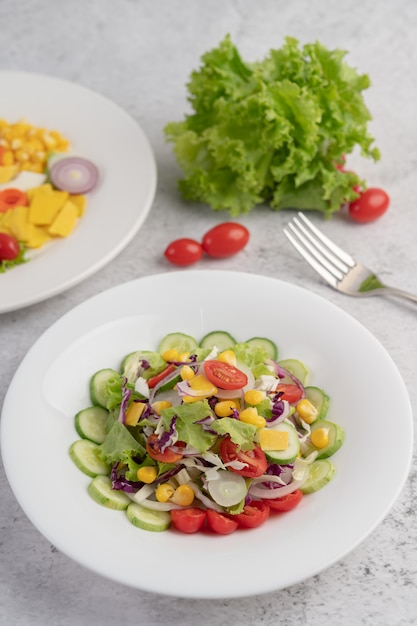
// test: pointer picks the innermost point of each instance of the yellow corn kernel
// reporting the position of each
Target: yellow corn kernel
(160, 405)
(320, 437)
(184, 357)
(164, 492)
(251, 416)
(307, 411)
(254, 396)
(134, 412)
(170, 355)
(227, 356)
(224, 408)
(187, 372)
(147, 474)
(183, 495)
(21, 156)
(8, 158)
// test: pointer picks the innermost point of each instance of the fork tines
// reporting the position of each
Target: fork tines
(319, 251)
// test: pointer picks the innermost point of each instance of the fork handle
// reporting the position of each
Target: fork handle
(393, 291)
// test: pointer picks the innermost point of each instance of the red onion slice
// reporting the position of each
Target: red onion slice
(74, 174)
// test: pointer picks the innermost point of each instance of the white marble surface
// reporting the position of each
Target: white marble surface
(140, 54)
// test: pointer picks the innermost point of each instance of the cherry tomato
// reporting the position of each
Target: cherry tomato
(188, 520)
(370, 205)
(291, 393)
(184, 252)
(220, 523)
(253, 514)
(255, 459)
(224, 376)
(152, 382)
(10, 198)
(225, 239)
(286, 503)
(9, 247)
(167, 456)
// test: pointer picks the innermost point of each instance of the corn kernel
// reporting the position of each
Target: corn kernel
(164, 492)
(160, 405)
(183, 495)
(320, 437)
(307, 411)
(227, 356)
(170, 355)
(251, 416)
(187, 372)
(134, 412)
(147, 474)
(8, 158)
(254, 396)
(224, 408)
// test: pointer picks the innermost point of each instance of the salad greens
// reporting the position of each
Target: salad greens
(273, 131)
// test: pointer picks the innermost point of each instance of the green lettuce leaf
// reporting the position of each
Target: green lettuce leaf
(272, 131)
(120, 446)
(240, 433)
(188, 430)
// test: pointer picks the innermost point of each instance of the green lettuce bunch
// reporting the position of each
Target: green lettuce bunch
(273, 131)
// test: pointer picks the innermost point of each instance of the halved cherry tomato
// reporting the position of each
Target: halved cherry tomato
(286, 503)
(152, 382)
(9, 247)
(253, 514)
(188, 520)
(291, 393)
(224, 376)
(225, 239)
(184, 252)
(371, 204)
(255, 459)
(220, 523)
(9, 198)
(167, 456)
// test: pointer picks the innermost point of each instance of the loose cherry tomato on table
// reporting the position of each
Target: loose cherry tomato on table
(9, 247)
(167, 456)
(225, 239)
(371, 204)
(224, 376)
(220, 523)
(184, 252)
(188, 520)
(255, 459)
(253, 514)
(291, 393)
(286, 503)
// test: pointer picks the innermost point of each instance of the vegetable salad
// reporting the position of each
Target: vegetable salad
(213, 434)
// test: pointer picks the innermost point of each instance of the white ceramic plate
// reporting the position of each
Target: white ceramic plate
(101, 131)
(51, 385)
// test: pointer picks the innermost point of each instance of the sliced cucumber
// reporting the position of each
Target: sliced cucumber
(320, 473)
(84, 453)
(297, 368)
(219, 339)
(319, 399)
(91, 423)
(127, 361)
(101, 491)
(177, 341)
(264, 344)
(291, 452)
(336, 436)
(98, 385)
(139, 516)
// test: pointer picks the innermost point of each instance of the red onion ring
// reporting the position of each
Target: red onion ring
(74, 174)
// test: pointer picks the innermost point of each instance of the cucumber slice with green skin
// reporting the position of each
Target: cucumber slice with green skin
(100, 490)
(297, 368)
(219, 338)
(320, 473)
(139, 516)
(91, 423)
(84, 453)
(336, 436)
(319, 399)
(98, 385)
(290, 454)
(177, 341)
(264, 344)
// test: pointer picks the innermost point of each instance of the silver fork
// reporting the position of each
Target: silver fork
(333, 264)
